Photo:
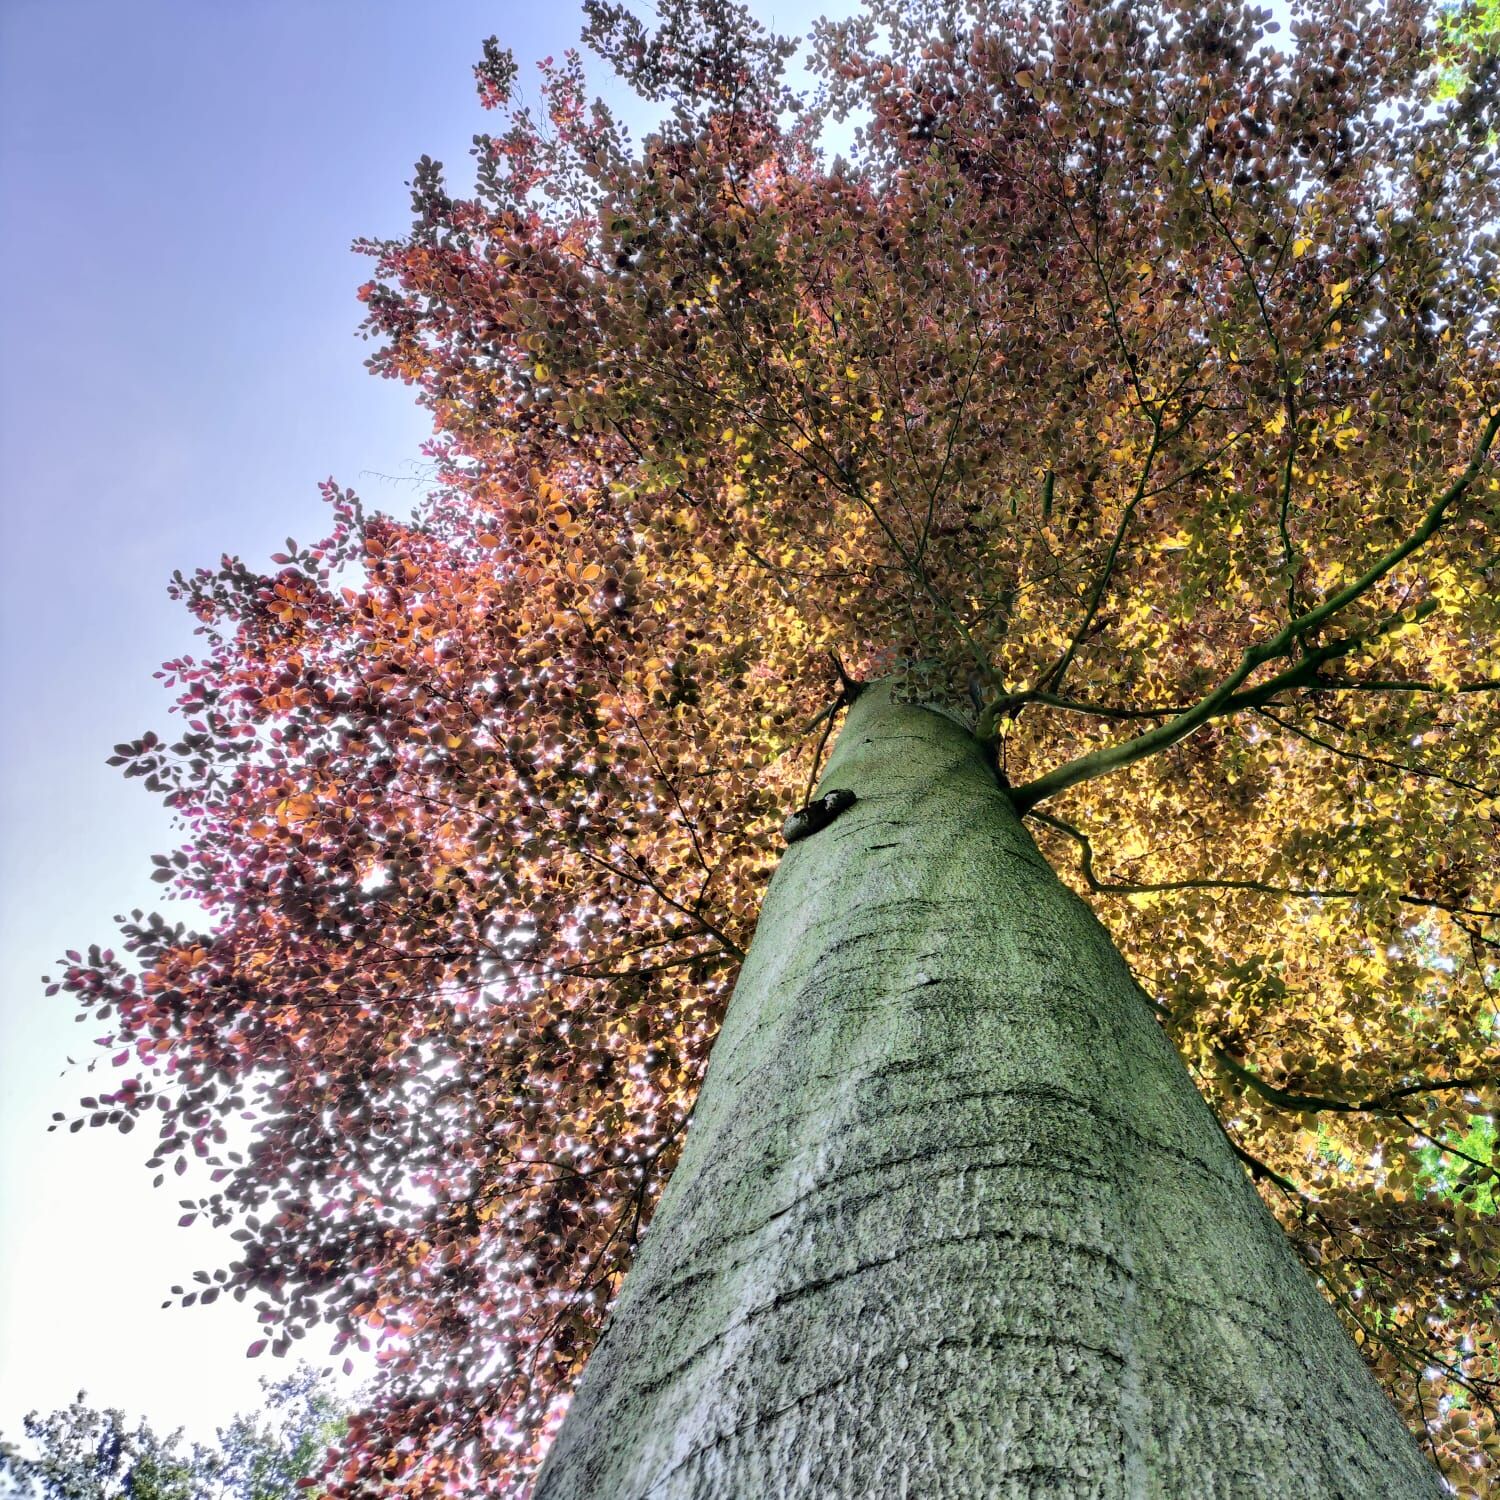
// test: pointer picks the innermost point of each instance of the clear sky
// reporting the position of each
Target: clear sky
(179, 183)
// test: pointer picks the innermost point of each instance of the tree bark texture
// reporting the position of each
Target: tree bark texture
(952, 1219)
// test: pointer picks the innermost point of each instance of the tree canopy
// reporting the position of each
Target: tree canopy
(1132, 383)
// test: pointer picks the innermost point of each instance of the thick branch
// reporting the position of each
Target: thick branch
(1375, 1104)
(1127, 752)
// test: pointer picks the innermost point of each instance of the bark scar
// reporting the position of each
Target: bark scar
(818, 813)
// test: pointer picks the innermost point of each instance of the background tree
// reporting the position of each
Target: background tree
(84, 1453)
(273, 1453)
(1134, 385)
(1471, 37)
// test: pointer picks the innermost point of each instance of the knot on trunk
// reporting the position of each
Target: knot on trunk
(818, 813)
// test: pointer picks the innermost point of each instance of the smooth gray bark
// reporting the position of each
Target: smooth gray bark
(952, 1219)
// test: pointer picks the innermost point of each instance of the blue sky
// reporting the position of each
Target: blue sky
(178, 369)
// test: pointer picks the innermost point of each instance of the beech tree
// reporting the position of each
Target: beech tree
(1103, 452)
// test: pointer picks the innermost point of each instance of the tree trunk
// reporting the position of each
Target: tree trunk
(951, 1219)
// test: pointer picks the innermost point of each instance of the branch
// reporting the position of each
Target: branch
(1305, 674)
(1424, 772)
(1127, 752)
(1261, 887)
(648, 881)
(1405, 685)
(942, 473)
(1054, 677)
(1261, 1172)
(1376, 1104)
(776, 574)
(1443, 1146)
(1288, 401)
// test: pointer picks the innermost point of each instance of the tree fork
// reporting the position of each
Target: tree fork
(952, 1219)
